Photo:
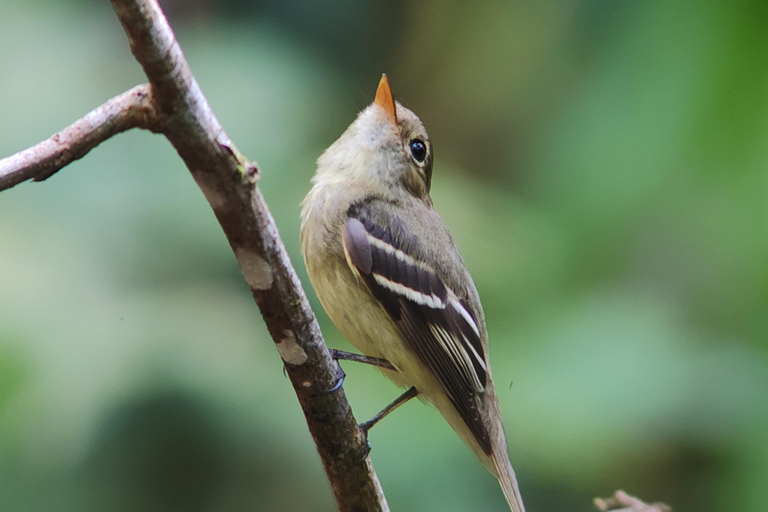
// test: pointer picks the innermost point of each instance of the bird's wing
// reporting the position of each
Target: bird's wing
(437, 324)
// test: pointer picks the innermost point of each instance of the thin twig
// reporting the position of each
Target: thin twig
(623, 502)
(132, 109)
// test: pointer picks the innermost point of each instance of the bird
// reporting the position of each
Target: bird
(388, 274)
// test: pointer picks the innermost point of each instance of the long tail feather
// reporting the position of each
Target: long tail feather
(508, 482)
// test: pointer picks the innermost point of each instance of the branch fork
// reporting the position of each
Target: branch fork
(173, 105)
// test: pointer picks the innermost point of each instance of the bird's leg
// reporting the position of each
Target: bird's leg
(412, 392)
(381, 363)
(359, 358)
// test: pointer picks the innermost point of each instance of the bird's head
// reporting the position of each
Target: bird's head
(386, 146)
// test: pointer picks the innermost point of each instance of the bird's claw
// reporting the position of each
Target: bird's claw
(340, 382)
(367, 452)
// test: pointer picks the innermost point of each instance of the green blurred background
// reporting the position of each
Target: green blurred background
(603, 166)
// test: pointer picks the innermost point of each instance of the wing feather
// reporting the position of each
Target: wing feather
(438, 325)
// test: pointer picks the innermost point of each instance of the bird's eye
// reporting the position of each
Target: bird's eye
(418, 150)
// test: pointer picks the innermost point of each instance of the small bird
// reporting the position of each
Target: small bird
(388, 273)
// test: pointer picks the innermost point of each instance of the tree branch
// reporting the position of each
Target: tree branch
(228, 181)
(173, 104)
(132, 109)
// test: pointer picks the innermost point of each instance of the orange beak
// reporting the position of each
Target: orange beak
(385, 99)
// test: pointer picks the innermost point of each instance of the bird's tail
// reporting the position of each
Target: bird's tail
(500, 456)
(508, 481)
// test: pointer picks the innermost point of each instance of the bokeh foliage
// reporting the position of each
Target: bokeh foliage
(602, 165)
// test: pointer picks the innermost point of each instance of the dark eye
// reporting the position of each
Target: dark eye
(418, 150)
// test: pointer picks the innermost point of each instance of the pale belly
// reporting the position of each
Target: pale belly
(359, 317)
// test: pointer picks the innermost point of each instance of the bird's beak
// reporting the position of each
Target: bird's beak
(385, 100)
